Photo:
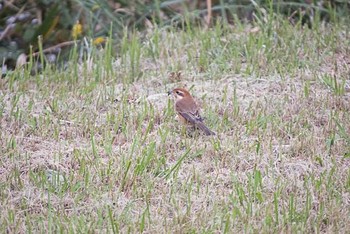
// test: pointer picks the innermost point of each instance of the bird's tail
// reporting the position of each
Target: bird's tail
(205, 129)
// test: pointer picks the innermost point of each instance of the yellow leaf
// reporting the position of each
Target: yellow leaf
(99, 40)
(77, 30)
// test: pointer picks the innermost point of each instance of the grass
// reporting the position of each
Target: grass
(96, 147)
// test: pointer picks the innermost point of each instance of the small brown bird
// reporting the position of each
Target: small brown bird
(187, 110)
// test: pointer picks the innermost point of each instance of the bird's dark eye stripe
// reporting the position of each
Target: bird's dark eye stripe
(179, 93)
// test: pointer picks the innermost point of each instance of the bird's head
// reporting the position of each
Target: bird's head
(179, 93)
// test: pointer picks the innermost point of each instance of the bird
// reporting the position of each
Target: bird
(187, 110)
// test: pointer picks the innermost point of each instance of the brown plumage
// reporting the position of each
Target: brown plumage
(187, 110)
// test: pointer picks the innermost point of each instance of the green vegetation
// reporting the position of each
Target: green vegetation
(95, 147)
(61, 22)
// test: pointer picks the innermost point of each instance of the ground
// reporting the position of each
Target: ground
(97, 147)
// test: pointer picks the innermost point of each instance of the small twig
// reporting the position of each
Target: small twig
(290, 18)
(5, 32)
(10, 26)
(55, 47)
(9, 4)
(209, 12)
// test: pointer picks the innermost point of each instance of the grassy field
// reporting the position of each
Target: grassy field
(97, 148)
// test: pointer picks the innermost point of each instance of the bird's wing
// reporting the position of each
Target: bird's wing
(197, 121)
(189, 112)
(191, 117)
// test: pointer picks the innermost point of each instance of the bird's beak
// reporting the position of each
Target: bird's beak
(169, 92)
